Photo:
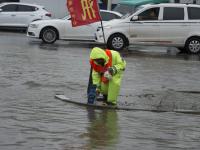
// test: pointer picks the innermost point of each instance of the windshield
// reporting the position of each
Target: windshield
(126, 10)
(139, 7)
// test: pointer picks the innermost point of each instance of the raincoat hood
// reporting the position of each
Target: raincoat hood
(98, 53)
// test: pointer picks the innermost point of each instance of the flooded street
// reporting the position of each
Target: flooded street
(31, 73)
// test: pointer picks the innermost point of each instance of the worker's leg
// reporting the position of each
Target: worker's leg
(114, 88)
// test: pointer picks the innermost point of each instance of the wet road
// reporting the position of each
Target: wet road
(31, 73)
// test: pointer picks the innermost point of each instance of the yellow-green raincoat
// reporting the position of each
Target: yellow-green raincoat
(111, 89)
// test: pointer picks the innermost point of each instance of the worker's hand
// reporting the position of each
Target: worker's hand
(112, 70)
(97, 92)
(107, 75)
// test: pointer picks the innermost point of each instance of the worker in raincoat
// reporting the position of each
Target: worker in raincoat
(107, 70)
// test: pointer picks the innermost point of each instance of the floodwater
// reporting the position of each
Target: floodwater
(31, 73)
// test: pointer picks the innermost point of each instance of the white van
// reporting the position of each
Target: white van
(155, 24)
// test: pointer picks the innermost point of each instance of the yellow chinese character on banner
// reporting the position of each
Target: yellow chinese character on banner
(88, 11)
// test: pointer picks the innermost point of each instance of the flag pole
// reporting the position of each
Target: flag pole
(75, 8)
(90, 82)
(103, 33)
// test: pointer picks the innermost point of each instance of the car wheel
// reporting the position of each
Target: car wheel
(49, 35)
(117, 42)
(193, 45)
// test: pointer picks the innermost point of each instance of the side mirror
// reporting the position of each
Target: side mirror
(1, 10)
(134, 18)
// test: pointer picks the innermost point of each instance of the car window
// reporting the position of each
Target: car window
(193, 13)
(26, 8)
(9, 8)
(150, 14)
(106, 16)
(173, 13)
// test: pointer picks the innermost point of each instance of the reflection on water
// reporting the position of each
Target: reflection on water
(103, 129)
(193, 57)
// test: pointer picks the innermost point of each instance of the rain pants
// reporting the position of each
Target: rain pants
(111, 89)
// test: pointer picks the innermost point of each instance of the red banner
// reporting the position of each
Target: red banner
(83, 12)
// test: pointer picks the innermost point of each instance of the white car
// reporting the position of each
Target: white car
(51, 30)
(20, 15)
(156, 24)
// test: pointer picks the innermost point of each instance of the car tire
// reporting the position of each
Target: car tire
(193, 45)
(117, 42)
(49, 35)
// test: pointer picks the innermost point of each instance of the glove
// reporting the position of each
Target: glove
(112, 70)
(107, 75)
